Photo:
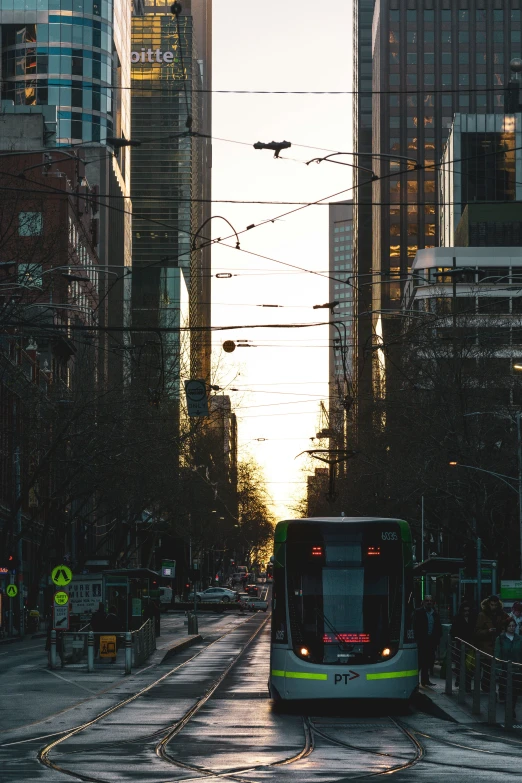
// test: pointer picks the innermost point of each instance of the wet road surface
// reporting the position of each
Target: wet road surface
(209, 718)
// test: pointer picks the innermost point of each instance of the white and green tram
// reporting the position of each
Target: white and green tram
(342, 610)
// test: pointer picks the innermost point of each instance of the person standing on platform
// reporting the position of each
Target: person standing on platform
(428, 632)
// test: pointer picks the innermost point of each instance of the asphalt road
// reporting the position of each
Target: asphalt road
(205, 715)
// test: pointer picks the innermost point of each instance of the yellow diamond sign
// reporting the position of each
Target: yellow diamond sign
(61, 575)
(61, 598)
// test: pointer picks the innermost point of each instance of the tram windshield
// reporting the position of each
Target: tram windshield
(345, 587)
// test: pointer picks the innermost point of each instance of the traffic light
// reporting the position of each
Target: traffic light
(469, 555)
(9, 562)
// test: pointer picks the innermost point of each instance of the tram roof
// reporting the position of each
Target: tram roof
(282, 527)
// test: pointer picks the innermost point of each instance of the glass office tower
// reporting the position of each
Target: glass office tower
(70, 54)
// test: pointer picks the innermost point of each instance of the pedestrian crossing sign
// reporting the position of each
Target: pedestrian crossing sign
(61, 575)
(107, 646)
(12, 591)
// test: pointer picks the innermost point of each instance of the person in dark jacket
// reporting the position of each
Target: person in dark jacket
(463, 630)
(508, 647)
(490, 624)
(428, 631)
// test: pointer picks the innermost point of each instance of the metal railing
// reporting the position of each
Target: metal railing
(478, 671)
(78, 646)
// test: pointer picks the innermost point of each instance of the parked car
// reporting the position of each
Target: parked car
(214, 595)
(251, 589)
(256, 604)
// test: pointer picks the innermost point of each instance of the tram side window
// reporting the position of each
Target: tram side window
(279, 629)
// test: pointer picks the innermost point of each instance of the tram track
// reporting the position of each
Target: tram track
(44, 753)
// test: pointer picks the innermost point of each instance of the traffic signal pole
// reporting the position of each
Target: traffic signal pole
(479, 571)
(21, 622)
(519, 439)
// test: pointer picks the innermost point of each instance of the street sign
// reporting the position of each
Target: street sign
(61, 617)
(12, 591)
(107, 646)
(61, 598)
(511, 589)
(197, 401)
(168, 568)
(61, 575)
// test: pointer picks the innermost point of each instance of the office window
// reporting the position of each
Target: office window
(446, 58)
(394, 101)
(429, 99)
(463, 16)
(481, 16)
(395, 122)
(515, 16)
(498, 58)
(447, 100)
(411, 58)
(464, 79)
(429, 16)
(464, 58)
(482, 101)
(480, 79)
(481, 58)
(445, 36)
(463, 36)
(429, 36)
(446, 79)
(430, 229)
(394, 58)
(394, 79)
(30, 224)
(429, 58)
(411, 16)
(498, 16)
(411, 100)
(464, 101)
(393, 37)
(480, 36)
(394, 16)
(395, 144)
(411, 36)
(498, 79)
(445, 16)
(515, 36)
(411, 122)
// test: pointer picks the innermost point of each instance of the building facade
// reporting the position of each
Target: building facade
(482, 162)
(342, 334)
(432, 59)
(171, 176)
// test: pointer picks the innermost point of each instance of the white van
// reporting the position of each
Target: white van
(165, 598)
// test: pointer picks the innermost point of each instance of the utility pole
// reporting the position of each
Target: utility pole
(423, 582)
(479, 570)
(519, 444)
(18, 520)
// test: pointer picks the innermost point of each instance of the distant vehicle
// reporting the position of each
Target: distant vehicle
(238, 577)
(242, 569)
(214, 595)
(243, 597)
(165, 598)
(256, 604)
(261, 579)
(251, 589)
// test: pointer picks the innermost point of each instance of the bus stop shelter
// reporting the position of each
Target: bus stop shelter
(134, 592)
(445, 579)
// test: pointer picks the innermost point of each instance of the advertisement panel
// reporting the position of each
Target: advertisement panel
(85, 593)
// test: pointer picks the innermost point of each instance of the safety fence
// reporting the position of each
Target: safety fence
(86, 646)
(477, 673)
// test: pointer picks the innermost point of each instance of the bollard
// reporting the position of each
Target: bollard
(476, 685)
(449, 669)
(461, 698)
(492, 700)
(508, 718)
(128, 652)
(90, 652)
(54, 664)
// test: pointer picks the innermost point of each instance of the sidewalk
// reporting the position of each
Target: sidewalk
(449, 707)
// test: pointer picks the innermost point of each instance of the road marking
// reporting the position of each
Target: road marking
(70, 682)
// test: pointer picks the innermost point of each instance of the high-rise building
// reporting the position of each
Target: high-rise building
(171, 80)
(362, 202)
(342, 291)
(480, 164)
(70, 61)
(431, 59)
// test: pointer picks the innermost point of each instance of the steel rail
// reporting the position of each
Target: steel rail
(44, 754)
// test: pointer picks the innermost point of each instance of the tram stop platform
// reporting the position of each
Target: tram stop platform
(434, 700)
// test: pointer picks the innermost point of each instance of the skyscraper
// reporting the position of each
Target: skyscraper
(341, 354)
(171, 177)
(431, 59)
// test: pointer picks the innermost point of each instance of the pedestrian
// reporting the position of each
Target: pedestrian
(490, 623)
(516, 614)
(462, 630)
(98, 621)
(508, 647)
(428, 631)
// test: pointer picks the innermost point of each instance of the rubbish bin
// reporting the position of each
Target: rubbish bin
(192, 623)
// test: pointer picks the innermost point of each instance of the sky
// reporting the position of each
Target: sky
(283, 377)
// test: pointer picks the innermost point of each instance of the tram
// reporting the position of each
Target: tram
(342, 610)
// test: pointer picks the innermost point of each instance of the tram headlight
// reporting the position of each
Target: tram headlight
(304, 652)
(386, 652)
